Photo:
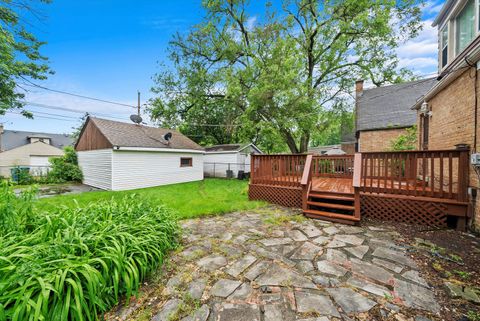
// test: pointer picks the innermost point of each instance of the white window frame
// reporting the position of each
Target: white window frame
(442, 45)
(454, 19)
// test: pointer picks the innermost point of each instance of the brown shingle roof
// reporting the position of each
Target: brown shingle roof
(132, 135)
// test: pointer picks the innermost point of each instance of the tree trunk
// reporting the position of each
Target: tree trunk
(304, 140)
(290, 140)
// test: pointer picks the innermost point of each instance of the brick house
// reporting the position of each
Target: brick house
(384, 113)
(447, 115)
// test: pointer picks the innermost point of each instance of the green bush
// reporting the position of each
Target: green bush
(65, 168)
(75, 263)
(407, 141)
(21, 175)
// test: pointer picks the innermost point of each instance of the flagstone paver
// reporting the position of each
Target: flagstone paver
(240, 267)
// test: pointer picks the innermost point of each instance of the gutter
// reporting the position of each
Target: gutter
(443, 12)
(450, 74)
(154, 149)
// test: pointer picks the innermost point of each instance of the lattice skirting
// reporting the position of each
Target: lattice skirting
(285, 196)
(404, 210)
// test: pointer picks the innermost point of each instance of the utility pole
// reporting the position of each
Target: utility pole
(138, 107)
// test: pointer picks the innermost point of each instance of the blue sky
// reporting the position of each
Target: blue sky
(109, 49)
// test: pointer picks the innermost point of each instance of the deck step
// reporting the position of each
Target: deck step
(331, 205)
(337, 197)
(322, 214)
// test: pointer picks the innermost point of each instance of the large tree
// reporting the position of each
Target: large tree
(280, 74)
(20, 57)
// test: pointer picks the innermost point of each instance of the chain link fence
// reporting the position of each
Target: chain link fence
(226, 170)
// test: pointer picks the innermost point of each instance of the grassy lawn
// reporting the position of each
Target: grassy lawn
(193, 199)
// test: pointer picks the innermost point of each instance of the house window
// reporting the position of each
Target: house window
(465, 26)
(444, 45)
(186, 162)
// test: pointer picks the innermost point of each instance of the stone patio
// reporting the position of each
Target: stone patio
(274, 265)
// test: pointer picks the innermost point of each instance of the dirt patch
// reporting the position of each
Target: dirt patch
(445, 255)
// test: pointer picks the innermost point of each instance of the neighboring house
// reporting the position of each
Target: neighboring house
(384, 113)
(29, 149)
(227, 160)
(448, 114)
(121, 156)
(327, 150)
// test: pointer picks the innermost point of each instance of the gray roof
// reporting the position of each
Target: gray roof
(390, 106)
(15, 138)
(225, 148)
(323, 149)
(132, 135)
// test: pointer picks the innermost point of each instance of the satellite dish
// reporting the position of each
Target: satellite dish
(136, 119)
(167, 136)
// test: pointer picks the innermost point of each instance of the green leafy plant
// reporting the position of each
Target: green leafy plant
(21, 175)
(407, 141)
(15, 211)
(473, 316)
(75, 263)
(65, 168)
(464, 275)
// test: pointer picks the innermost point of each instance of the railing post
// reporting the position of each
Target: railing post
(356, 181)
(306, 177)
(463, 172)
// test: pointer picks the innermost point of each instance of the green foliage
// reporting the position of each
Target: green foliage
(20, 56)
(75, 263)
(473, 316)
(407, 141)
(21, 175)
(16, 212)
(278, 79)
(65, 168)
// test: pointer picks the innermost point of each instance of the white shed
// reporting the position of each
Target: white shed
(121, 156)
(227, 160)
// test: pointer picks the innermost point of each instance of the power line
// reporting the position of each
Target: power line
(47, 117)
(31, 84)
(70, 109)
(50, 114)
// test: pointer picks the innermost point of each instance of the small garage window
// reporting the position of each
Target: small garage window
(186, 162)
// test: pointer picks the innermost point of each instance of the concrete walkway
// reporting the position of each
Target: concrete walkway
(276, 265)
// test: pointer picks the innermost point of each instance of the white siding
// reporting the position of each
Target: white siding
(139, 169)
(96, 166)
(216, 165)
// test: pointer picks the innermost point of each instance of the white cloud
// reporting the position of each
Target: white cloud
(251, 22)
(420, 53)
(433, 7)
(419, 63)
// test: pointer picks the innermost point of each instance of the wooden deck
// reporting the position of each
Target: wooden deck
(332, 185)
(417, 187)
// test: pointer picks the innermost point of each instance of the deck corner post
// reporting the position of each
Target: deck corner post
(305, 182)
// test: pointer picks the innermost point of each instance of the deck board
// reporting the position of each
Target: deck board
(332, 185)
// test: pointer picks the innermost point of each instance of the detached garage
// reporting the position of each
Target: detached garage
(228, 160)
(121, 156)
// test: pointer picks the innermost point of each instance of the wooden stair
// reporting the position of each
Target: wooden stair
(336, 207)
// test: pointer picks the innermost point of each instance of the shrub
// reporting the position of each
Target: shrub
(75, 263)
(65, 168)
(407, 141)
(21, 175)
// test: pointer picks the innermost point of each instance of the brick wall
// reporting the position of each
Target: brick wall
(378, 140)
(452, 122)
(348, 148)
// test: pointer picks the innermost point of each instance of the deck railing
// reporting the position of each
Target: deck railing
(279, 170)
(436, 174)
(339, 166)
